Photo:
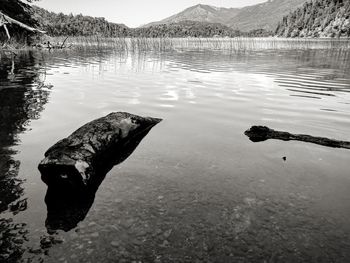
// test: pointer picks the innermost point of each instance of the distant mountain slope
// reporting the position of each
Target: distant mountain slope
(319, 18)
(261, 16)
(265, 15)
(79, 25)
(200, 13)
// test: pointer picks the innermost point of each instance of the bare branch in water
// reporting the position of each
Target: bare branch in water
(263, 133)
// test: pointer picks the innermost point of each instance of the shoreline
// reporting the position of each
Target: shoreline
(164, 44)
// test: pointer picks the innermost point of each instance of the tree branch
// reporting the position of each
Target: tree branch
(4, 19)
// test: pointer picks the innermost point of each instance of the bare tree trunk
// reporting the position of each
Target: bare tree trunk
(7, 32)
(4, 19)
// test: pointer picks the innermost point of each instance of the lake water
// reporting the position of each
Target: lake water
(196, 189)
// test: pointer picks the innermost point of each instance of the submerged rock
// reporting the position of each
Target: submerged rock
(262, 133)
(76, 158)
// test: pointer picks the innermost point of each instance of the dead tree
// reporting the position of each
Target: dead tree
(4, 20)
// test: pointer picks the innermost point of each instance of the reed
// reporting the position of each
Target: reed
(18, 40)
(228, 44)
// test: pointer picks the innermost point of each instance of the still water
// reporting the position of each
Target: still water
(195, 189)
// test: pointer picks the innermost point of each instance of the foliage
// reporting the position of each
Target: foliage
(21, 12)
(187, 29)
(78, 25)
(258, 33)
(319, 18)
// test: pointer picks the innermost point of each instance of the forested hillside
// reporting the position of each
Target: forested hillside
(200, 13)
(264, 16)
(186, 29)
(21, 12)
(318, 18)
(78, 25)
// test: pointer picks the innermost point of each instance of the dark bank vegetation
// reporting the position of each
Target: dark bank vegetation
(317, 18)
(17, 23)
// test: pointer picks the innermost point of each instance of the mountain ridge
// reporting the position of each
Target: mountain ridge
(245, 19)
(266, 15)
(198, 13)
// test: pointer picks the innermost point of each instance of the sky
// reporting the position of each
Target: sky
(133, 13)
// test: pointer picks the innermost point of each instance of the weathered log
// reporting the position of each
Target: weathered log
(76, 159)
(65, 209)
(262, 133)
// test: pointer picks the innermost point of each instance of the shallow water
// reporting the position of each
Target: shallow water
(196, 188)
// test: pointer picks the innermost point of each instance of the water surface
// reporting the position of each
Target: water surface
(196, 188)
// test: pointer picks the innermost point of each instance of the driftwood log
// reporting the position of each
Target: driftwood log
(262, 133)
(79, 159)
(65, 209)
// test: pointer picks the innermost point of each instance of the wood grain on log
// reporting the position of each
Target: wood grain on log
(67, 207)
(262, 133)
(77, 158)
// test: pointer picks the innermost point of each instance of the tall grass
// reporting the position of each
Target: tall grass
(228, 44)
(18, 40)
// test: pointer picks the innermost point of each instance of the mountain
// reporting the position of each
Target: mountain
(200, 13)
(261, 16)
(78, 25)
(265, 15)
(320, 18)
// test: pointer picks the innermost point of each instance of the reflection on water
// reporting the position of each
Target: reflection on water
(22, 97)
(196, 189)
(19, 103)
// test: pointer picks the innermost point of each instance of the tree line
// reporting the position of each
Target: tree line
(59, 24)
(79, 25)
(186, 29)
(318, 18)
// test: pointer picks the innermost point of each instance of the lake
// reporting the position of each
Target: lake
(196, 189)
